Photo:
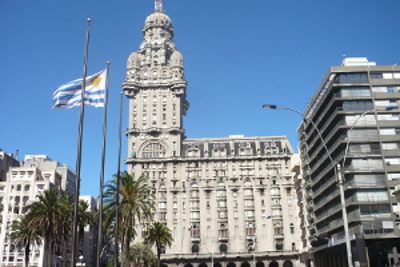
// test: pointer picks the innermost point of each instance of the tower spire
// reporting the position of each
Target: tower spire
(158, 6)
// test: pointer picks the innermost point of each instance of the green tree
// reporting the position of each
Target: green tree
(160, 235)
(136, 203)
(141, 255)
(23, 235)
(48, 216)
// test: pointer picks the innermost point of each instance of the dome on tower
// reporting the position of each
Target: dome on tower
(158, 19)
(176, 58)
(134, 60)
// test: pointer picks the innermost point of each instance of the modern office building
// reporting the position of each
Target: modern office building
(23, 183)
(229, 201)
(354, 109)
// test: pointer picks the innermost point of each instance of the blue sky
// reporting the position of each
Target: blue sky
(238, 56)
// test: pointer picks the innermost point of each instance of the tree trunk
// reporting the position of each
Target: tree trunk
(81, 238)
(26, 260)
(126, 251)
(158, 255)
(47, 252)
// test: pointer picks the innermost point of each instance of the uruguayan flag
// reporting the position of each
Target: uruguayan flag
(69, 95)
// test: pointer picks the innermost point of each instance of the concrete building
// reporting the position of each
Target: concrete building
(90, 237)
(302, 197)
(35, 174)
(228, 201)
(352, 107)
(6, 162)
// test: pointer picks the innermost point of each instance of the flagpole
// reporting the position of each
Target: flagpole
(79, 150)
(100, 222)
(116, 252)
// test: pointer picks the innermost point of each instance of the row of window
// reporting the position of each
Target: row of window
(360, 78)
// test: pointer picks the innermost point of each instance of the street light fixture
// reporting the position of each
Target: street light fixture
(338, 172)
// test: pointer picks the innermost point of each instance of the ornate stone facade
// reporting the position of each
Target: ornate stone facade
(228, 201)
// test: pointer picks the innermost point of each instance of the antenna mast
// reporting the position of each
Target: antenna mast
(158, 7)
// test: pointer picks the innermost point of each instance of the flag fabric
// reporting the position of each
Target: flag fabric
(69, 94)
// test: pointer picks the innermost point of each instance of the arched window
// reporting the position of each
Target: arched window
(245, 151)
(247, 184)
(219, 152)
(154, 150)
(193, 152)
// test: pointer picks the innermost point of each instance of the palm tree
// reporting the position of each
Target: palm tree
(141, 255)
(160, 235)
(136, 203)
(85, 217)
(48, 216)
(23, 235)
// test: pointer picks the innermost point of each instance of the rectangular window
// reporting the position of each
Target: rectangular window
(221, 204)
(389, 131)
(274, 191)
(376, 75)
(248, 203)
(249, 214)
(388, 117)
(351, 78)
(357, 105)
(393, 176)
(367, 164)
(372, 196)
(392, 161)
(376, 211)
(195, 214)
(385, 103)
(360, 120)
(355, 92)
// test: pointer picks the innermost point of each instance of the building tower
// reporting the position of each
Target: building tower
(229, 201)
(156, 85)
(352, 110)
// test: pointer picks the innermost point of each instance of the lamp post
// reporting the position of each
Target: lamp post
(339, 172)
(255, 238)
(338, 179)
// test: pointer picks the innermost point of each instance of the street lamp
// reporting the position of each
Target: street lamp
(339, 179)
(254, 240)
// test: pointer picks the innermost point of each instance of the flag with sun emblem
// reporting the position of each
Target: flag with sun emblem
(69, 94)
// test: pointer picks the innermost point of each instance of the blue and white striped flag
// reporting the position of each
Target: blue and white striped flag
(69, 95)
